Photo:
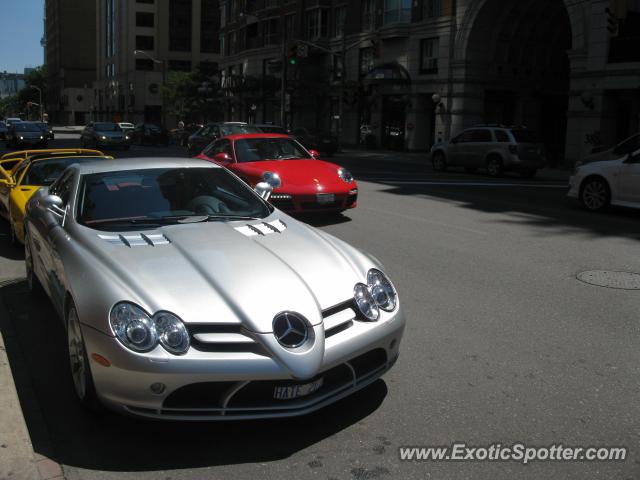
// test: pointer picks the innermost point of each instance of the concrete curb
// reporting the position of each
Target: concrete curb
(17, 457)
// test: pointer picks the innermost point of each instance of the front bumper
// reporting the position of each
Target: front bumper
(312, 203)
(228, 385)
(111, 142)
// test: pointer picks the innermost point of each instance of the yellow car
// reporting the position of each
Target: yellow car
(9, 161)
(28, 176)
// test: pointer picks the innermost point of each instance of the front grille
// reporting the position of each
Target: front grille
(208, 398)
(223, 338)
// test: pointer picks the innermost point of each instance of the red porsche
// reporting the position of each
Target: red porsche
(308, 184)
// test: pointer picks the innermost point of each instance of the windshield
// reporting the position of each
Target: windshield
(236, 129)
(259, 149)
(152, 197)
(524, 136)
(45, 172)
(107, 127)
(26, 127)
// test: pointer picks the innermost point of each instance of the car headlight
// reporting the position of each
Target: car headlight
(41, 137)
(103, 137)
(138, 331)
(21, 138)
(172, 333)
(133, 327)
(126, 137)
(577, 166)
(382, 290)
(345, 175)
(365, 302)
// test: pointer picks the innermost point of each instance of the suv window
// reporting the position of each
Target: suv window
(464, 137)
(502, 136)
(524, 136)
(481, 135)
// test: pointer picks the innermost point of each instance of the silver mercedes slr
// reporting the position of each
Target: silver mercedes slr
(186, 296)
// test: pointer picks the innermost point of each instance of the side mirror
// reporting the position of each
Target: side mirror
(54, 205)
(264, 190)
(221, 158)
(272, 179)
(314, 153)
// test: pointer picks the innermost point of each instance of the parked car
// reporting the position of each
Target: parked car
(598, 184)
(150, 134)
(31, 174)
(47, 129)
(186, 296)
(323, 142)
(181, 135)
(104, 135)
(308, 184)
(126, 127)
(213, 131)
(3, 131)
(496, 148)
(23, 134)
(269, 128)
(628, 145)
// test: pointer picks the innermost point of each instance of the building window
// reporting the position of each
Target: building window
(233, 43)
(432, 8)
(180, 65)
(144, 64)
(339, 16)
(270, 32)
(338, 67)
(397, 11)
(145, 19)
(317, 23)
(110, 27)
(223, 15)
(366, 60)
(429, 55)
(180, 25)
(290, 26)
(208, 28)
(222, 45)
(368, 15)
(144, 42)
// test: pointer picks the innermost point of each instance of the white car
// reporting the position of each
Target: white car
(608, 182)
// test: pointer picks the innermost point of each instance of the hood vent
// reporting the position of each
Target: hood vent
(264, 228)
(136, 240)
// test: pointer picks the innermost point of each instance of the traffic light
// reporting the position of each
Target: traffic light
(292, 55)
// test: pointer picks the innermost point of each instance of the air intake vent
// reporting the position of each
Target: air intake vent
(264, 228)
(136, 240)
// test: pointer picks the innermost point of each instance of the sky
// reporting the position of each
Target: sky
(21, 29)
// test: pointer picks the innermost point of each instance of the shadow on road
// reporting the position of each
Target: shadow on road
(322, 219)
(547, 209)
(12, 252)
(61, 430)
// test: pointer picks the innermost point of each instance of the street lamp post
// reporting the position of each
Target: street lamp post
(164, 78)
(40, 101)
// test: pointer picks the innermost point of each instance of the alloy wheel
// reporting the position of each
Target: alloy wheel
(595, 195)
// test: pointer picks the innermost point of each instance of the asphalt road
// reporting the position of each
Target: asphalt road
(503, 345)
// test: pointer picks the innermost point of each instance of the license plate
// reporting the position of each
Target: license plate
(325, 198)
(296, 391)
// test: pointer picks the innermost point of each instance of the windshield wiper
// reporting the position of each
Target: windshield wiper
(205, 218)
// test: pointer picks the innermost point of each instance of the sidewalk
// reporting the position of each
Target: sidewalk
(18, 461)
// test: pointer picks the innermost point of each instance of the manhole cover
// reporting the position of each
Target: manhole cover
(604, 278)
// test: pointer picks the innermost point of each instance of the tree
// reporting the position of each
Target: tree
(35, 78)
(10, 106)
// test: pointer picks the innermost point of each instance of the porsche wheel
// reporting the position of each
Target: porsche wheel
(79, 363)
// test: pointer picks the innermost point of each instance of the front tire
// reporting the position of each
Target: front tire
(79, 363)
(494, 166)
(595, 194)
(439, 162)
